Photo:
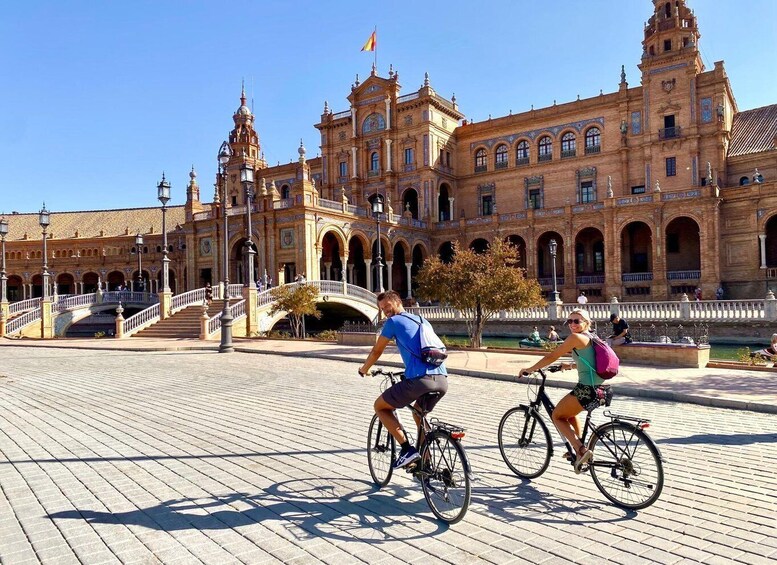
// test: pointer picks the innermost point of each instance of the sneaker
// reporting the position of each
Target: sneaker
(582, 460)
(407, 457)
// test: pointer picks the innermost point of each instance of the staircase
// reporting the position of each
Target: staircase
(184, 324)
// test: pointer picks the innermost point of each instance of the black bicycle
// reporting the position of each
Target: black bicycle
(626, 465)
(443, 468)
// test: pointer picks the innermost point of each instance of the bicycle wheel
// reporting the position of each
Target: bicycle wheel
(444, 477)
(381, 451)
(626, 465)
(524, 441)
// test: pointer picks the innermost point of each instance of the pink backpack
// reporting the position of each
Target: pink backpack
(605, 359)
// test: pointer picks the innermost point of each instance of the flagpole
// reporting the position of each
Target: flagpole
(375, 61)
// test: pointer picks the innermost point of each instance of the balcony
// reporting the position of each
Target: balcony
(636, 277)
(521, 161)
(568, 153)
(592, 149)
(546, 157)
(481, 168)
(548, 281)
(669, 133)
(589, 279)
(683, 275)
(501, 165)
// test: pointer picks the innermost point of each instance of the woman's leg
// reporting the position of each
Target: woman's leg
(565, 419)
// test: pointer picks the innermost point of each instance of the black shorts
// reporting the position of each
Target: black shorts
(407, 391)
(591, 397)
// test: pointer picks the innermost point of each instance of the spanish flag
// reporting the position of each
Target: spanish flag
(372, 43)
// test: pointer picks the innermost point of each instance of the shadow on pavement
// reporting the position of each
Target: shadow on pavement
(337, 508)
(721, 439)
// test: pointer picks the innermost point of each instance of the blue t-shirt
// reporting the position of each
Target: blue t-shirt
(406, 332)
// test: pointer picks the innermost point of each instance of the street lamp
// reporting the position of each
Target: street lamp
(553, 246)
(247, 180)
(138, 246)
(225, 154)
(3, 278)
(163, 195)
(377, 210)
(44, 221)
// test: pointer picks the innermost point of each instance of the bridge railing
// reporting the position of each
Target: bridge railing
(22, 321)
(650, 310)
(140, 320)
(22, 305)
(238, 310)
(75, 301)
(127, 296)
(181, 301)
(728, 310)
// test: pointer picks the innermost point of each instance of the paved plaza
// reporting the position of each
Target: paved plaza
(112, 456)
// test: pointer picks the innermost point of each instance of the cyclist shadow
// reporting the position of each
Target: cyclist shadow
(340, 509)
(523, 501)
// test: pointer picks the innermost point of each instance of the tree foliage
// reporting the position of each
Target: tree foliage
(297, 301)
(479, 284)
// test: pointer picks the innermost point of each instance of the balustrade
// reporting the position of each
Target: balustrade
(22, 321)
(22, 305)
(138, 321)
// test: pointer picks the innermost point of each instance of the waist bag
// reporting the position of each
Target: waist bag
(432, 348)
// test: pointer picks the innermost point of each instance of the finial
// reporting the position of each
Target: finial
(374, 70)
(193, 173)
(511, 112)
(391, 70)
(453, 98)
(658, 187)
(263, 184)
(426, 79)
(554, 101)
(357, 79)
(301, 150)
(578, 98)
(600, 92)
(243, 93)
(326, 107)
(623, 74)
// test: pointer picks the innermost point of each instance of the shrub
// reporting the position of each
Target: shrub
(327, 335)
(752, 359)
(98, 335)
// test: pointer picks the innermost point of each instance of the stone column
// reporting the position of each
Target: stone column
(252, 320)
(204, 321)
(450, 208)
(762, 237)
(387, 101)
(388, 156)
(350, 273)
(327, 274)
(770, 307)
(353, 121)
(353, 162)
(389, 277)
(368, 265)
(409, 269)
(47, 319)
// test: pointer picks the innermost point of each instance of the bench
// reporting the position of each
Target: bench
(356, 338)
(664, 354)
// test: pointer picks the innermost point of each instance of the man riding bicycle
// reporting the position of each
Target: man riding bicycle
(420, 378)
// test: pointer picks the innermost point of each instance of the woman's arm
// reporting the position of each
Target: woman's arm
(573, 341)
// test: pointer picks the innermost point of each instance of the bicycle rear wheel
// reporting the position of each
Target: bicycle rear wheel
(444, 477)
(381, 451)
(626, 465)
(524, 441)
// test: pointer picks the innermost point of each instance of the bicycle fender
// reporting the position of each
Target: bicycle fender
(632, 426)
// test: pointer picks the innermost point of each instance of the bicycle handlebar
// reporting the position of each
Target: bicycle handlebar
(555, 368)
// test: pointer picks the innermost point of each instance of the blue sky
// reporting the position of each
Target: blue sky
(98, 98)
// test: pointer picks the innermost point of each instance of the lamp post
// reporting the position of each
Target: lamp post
(163, 195)
(553, 246)
(247, 180)
(3, 278)
(225, 154)
(377, 210)
(44, 221)
(139, 247)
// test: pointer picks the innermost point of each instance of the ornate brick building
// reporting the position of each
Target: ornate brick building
(648, 191)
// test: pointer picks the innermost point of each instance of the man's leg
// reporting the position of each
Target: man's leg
(385, 412)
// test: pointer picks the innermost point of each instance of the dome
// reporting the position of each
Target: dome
(243, 111)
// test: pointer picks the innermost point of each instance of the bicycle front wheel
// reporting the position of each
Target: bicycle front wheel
(381, 451)
(524, 441)
(626, 465)
(444, 477)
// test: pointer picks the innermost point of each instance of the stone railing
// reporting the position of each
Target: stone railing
(23, 305)
(181, 301)
(22, 321)
(238, 310)
(75, 301)
(135, 323)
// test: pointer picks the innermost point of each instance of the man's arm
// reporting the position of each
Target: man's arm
(377, 351)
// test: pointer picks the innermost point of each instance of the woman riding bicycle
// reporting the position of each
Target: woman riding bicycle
(588, 390)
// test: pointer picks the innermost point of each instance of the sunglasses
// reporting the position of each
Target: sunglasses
(575, 321)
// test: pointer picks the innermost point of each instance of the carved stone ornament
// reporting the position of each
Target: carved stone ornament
(668, 85)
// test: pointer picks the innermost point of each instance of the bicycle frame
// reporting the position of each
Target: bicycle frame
(542, 399)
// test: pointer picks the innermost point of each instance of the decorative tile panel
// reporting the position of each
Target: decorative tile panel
(706, 110)
(636, 123)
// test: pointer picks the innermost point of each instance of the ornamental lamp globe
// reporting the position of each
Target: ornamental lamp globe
(377, 204)
(43, 217)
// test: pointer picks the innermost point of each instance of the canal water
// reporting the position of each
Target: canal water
(721, 351)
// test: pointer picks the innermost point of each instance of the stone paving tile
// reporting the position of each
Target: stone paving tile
(178, 464)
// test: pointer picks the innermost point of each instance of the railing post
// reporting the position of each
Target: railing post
(3, 317)
(204, 320)
(252, 325)
(165, 299)
(685, 307)
(119, 334)
(770, 307)
(555, 310)
(99, 296)
(615, 307)
(47, 319)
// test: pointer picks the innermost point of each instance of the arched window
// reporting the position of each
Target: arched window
(743, 181)
(285, 192)
(501, 157)
(593, 141)
(522, 153)
(481, 161)
(374, 162)
(546, 148)
(568, 145)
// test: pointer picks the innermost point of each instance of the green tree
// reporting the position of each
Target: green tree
(479, 284)
(297, 301)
